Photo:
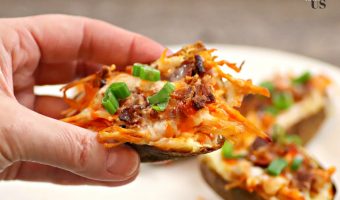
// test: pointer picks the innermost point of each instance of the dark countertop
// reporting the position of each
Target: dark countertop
(290, 25)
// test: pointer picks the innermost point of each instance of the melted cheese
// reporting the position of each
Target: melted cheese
(310, 105)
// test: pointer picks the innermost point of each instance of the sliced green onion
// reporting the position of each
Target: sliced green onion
(282, 100)
(160, 106)
(228, 151)
(116, 91)
(269, 85)
(150, 74)
(276, 166)
(110, 103)
(146, 72)
(304, 78)
(292, 139)
(277, 133)
(272, 110)
(119, 89)
(163, 95)
(296, 163)
(137, 68)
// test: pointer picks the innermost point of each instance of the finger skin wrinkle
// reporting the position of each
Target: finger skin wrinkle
(6, 80)
(85, 50)
(7, 156)
(78, 148)
(131, 48)
(6, 83)
(12, 172)
(85, 144)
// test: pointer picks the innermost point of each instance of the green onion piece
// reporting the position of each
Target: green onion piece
(228, 151)
(304, 78)
(160, 106)
(296, 163)
(119, 89)
(277, 133)
(292, 139)
(269, 85)
(163, 95)
(110, 103)
(282, 100)
(272, 110)
(146, 72)
(150, 74)
(276, 166)
(137, 68)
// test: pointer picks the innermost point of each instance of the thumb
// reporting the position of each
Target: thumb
(34, 137)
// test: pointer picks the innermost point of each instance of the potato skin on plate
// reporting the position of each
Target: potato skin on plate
(217, 183)
(262, 186)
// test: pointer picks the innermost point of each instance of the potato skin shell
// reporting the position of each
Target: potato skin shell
(217, 183)
(307, 128)
(149, 153)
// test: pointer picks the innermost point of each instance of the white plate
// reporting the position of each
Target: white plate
(182, 180)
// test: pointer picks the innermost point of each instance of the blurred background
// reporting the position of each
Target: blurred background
(290, 25)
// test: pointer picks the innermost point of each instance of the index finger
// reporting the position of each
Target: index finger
(66, 38)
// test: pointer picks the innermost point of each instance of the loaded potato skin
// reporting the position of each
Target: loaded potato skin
(180, 105)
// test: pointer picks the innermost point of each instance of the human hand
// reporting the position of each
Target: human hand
(54, 49)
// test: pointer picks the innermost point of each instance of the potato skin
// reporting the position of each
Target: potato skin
(217, 183)
(153, 154)
(307, 128)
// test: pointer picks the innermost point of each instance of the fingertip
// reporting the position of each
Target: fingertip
(122, 161)
(144, 50)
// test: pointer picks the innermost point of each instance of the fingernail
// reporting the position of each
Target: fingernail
(122, 161)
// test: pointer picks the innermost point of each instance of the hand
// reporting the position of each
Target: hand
(54, 49)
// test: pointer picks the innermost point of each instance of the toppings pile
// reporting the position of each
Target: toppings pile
(183, 102)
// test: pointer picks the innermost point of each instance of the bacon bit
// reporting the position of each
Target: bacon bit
(187, 108)
(199, 65)
(259, 142)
